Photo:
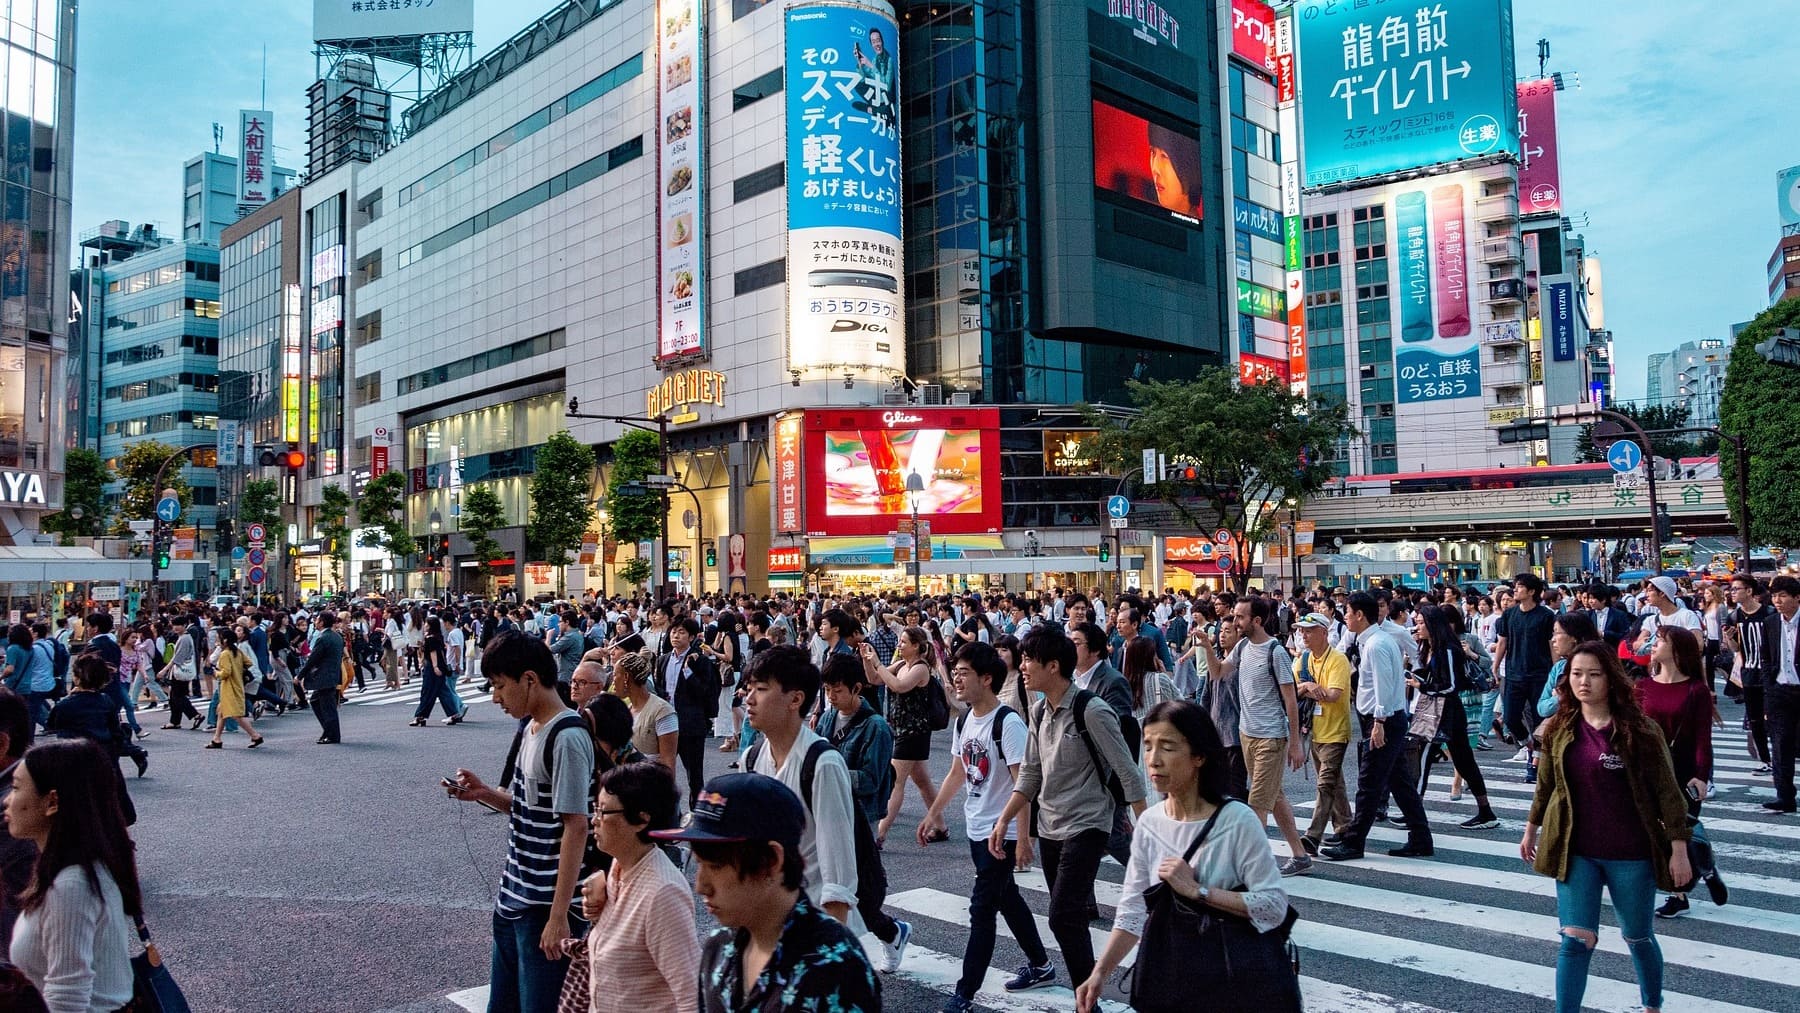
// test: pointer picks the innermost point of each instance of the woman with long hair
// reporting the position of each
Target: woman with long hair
(1232, 875)
(1606, 811)
(725, 650)
(231, 665)
(75, 936)
(135, 673)
(908, 680)
(1678, 699)
(1012, 692)
(1567, 632)
(1443, 677)
(1713, 612)
(1150, 685)
(434, 678)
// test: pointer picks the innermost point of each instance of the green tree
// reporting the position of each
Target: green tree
(382, 513)
(84, 489)
(1758, 403)
(634, 516)
(334, 529)
(137, 468)
(1252, 448)
(481, 513)
(1656, 420)
(635, 571)
(562, 509)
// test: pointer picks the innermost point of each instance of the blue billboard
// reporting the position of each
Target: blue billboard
(1415, 267)
(1387, 87)
(1559, 318)
(843, 190)
(1423, 375)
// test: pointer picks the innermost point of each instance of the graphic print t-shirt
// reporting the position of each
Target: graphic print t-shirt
(989, 782)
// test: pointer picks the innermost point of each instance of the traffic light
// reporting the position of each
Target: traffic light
(162, 558)
(1665, 525)
(712, 556)
(1528, 431)
(1105, 551)
(293, 459)
(443, 547)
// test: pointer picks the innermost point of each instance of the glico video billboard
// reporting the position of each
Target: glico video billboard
(1387, 87)
(845, 273)
(858, 462)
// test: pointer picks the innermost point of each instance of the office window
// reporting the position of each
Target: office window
(754, 90)
(761, 276)
(759, 182)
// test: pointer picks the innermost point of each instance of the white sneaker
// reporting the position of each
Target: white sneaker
(892, 953)
(1521, 756)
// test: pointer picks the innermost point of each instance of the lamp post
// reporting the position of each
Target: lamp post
(437, 521)
(915, 487)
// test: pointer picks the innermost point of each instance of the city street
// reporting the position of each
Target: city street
(342, 879)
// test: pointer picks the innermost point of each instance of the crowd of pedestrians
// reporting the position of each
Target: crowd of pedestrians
(1155, 729)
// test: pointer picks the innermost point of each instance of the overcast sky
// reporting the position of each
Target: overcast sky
(1669, 146)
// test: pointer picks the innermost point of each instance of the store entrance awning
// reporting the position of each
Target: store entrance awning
(45, 564)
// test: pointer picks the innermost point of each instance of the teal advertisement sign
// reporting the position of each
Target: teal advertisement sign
(1386, 87)
(1415, 266)
(1424, 375)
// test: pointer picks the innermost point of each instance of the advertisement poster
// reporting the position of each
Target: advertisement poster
(843, 189)
(341, 20)
(1258, 220)
(1787, 195)
(256, 185)
(1253, 34)
(1559, 318)
(1450, 245)
(788, 511)
(1148, 163)
(1415, 266)
(1540, 184)
(1400, 85)
(681, 179)
(1259, 301)
(1424, 375)
(1260, 369)
(859, 462)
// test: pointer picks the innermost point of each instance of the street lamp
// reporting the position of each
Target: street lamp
(915, 486)
(437, 522)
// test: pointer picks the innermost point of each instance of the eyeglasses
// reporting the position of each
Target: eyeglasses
(585, 682)
(603, 813)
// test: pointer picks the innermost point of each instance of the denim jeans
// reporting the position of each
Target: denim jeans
(1489, 701)
(115, 691)
(995, 893)
(433, 688)
(521, 979)
(1632, 885)
(1520, 705)
(142, 681)
(1070, 867)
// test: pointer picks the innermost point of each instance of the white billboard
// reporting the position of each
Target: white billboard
(681, 177)
(379, 19)
(256, 163)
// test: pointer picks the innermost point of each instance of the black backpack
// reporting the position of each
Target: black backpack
(592, 858)
(868, 856)
(1114, 786)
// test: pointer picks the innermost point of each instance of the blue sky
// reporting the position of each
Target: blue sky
(1670, 146)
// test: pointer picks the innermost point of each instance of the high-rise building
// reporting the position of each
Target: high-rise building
(1784, 263)
(209, 198)
(1691, 376)
(1654, 391)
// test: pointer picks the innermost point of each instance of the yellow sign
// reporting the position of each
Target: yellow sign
(688, 387)
(1502, 416)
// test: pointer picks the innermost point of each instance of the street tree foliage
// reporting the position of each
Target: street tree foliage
(334, 529)
(562, 507)
(634, 517)
(1252, 448)
(1656, 419)
(382, 511)
(137, 468)
(635, 571)
(1758, 402)
(260, 503)
(84, 485)
(481, 513)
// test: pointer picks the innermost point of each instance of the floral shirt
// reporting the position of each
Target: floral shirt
(817, 967)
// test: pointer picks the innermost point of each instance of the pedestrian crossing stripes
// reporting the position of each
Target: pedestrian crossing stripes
(409, 694)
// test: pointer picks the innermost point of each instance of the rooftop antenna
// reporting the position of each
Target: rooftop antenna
(263, 103)
(1543, 55)
(218, 136)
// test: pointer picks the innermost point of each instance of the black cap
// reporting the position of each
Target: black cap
(743, 807)
(630, 642)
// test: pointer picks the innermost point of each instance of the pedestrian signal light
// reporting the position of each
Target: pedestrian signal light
(712, 556)
(162, 559)
(1105, 551)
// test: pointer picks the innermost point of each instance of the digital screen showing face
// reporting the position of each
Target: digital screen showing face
(866, 471)
(1148, 162)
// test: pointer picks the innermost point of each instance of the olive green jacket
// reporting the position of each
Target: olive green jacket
(1660, 803)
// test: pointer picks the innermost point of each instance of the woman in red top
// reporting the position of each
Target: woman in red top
(1676, 697)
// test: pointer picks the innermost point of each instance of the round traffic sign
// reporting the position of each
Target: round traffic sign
(1118, 506)
(254, 532)
(258, 557)
(1224, 562)
(1222, 536)
(1624, 456)
(237, 552)
(168, 509)
(258, 575)
(1431, 555)
(1432, 571)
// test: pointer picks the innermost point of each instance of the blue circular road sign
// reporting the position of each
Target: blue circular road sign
(1117, 506)
(168, 509)
(1624, 456)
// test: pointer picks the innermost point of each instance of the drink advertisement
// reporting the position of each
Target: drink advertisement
(861, 461)
(843, 190)
(681, 178)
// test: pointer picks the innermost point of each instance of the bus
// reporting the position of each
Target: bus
(1678, 556)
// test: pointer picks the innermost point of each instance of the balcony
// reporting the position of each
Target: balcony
(1503, 292)
(1502, 250)
(1504, 373)
(1503, 332)
(1497, 208)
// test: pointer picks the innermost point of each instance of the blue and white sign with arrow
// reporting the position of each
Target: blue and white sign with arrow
(168, 509)
(1624, 456)
(1117, 506)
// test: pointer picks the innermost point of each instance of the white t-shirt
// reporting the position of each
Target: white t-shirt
(989, 782)
(1687, 619)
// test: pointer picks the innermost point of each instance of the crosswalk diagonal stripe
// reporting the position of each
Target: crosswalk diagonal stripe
(941, 971)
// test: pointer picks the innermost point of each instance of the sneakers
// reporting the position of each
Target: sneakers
(1309, 843)
(1674, 907)
(1712, 792)
(1530, 773)
(892, 953)
(1340, 853)
(1522, 756)
(1299, 865)
(1029, 977)
(1763, 771)
(1715, 887)
(956, 1004)
(1481, 821)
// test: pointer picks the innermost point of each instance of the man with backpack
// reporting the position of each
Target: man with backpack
(987, 748)
(1077, 768)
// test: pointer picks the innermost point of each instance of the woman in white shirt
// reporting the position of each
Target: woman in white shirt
(74, 938)
(1234, 871)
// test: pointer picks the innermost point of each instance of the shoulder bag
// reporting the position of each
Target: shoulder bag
(1189, 949)
(153, 989)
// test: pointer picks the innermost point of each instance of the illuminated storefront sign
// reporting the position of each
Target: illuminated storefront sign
(1260, 301)
(790, 518)
(689, 387)
(786, 560)
(1260, 369)
(1072, 453)
(1253, 33)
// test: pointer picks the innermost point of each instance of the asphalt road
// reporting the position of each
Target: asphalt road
(340, 878)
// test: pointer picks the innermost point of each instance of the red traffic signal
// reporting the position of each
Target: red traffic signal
(292, 460)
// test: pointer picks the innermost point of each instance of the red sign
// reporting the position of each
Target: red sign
(1540, 183)
(789, 516)
(859, 462)
(378, 460)
(1253, 33)
(1260, 369)
(1296, 331)
(1284, 78)
(1450, 244)
(787, 560)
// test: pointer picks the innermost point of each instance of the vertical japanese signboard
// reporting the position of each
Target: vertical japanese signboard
(681, 178)
(1292, 226)
(1405, 84)
(255, 185)
(843, 190)
(1450, 244)
(1415, 266)
(1540, 183)
(790, 517)
(1253, 34)
(1559, 316)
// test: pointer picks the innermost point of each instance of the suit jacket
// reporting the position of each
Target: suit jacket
(324, 667)
(1108, 684)
(1616, 625)
(697, 689)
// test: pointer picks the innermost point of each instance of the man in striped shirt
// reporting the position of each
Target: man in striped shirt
(548, 802)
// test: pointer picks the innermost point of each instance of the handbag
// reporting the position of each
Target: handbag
(1427, 715)
(153, 988)
(1189, 950)
(575, 996)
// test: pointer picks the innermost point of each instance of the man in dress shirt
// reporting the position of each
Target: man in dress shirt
(1381, 708)
(1782, 694)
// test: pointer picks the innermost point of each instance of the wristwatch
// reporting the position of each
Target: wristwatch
(1205, 892)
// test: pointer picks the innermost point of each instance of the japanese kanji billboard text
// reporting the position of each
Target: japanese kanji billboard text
(681, 178)
(843, 190)
(1253, 33)
(859, 461)
(1540, 184)
(381, 19)
(1408, 83)
(256, 157)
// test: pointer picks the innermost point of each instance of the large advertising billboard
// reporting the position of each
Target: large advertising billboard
(1148, 164)
(256, 181)
(845, 274)
(1436, 359)
(1404, 84)
(1253, 34)
(1540, 183)
(681, 178)
(343, 20)
(1787, 195)
(859, 461)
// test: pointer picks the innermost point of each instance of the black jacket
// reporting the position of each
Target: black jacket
(324, 667)
(89, 716)
(696, 697)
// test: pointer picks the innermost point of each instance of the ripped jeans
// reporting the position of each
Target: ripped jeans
(1632, 885)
